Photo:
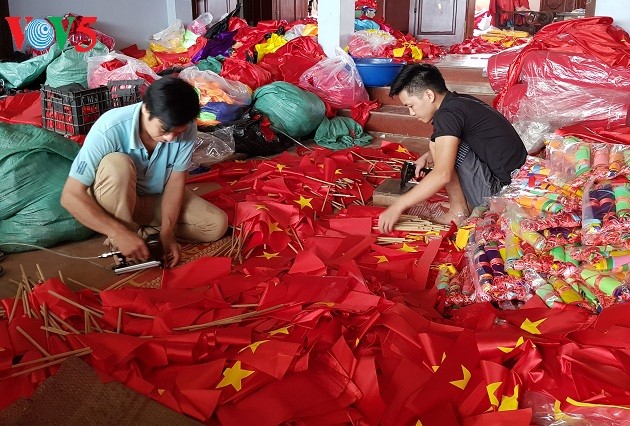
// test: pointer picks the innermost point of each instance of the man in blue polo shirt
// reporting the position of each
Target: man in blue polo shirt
(132, 169)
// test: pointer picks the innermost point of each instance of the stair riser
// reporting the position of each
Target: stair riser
(381, 94)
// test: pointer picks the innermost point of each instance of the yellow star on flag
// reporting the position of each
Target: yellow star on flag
(280, 167)
(402, 149)
(418, 423)
(338, 172)
(510, 403)
(161, 391)
(283, 330)
(269, 255)
(254, 346)
(492, 389)
(532, 327)
(436, 367)
(408, 249)
(327, 304)
(261, 207)
(303, 202)
(382, 259)
(462, 382)
(508, 349)
(274, 227)
(234, 376)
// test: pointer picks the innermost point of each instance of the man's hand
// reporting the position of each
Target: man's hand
(425, 161)
(130, 245)
(388, 219)
(172, 250)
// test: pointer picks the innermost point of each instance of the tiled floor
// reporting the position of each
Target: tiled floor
(97, 272)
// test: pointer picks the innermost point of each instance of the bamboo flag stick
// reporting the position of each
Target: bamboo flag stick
(62, 322)
(41, 274)
(54, 330)
(18, 295)
(229, 320)
(94, 311)
(61, 277)
(95, 290)
(119, 322)
(48, 364)
(52, 357)
(45, 315)
(30, 339)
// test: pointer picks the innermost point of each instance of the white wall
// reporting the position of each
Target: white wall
(128, 21)
(618, 9)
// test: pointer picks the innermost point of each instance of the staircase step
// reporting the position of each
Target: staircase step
(394, 119)
(479, 91)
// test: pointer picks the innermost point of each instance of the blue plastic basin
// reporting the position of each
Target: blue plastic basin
(377, 71)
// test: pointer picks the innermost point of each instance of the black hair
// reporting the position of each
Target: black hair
(416, 78)
(173, 101)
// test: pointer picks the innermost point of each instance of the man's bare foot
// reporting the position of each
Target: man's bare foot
(449, 216)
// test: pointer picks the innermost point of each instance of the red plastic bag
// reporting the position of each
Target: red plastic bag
(336, 81)
(247, 73)
(290, 61)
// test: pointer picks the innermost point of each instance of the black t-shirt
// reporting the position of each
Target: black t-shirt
(484, 129)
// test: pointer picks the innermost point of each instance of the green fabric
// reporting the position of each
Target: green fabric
(34, 165)
(17, 75)
(71, 66)
(340, 133)
(290, 109)
(210, 64)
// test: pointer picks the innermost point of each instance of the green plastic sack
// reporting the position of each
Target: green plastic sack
(210, 64)
(71, 66)
(340, 133)
(290, 109)
(34, 165)
(17, 75)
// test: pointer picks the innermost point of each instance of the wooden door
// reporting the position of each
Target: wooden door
(290, 10)
(395, 13)
(440, 21)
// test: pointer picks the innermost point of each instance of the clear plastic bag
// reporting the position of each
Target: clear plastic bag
(370, 43)
(131, 69)
(212, 147)
(170, 39)
(336, 81)
(606, 212)
(198, 26)
(214, 88)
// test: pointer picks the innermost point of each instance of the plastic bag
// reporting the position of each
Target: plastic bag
(253, 136)
(16, 75)
(336, 81)
(170, 39)
(115, 66)
(247, 73)
(198, 26)
(71, 66)
(340, 133)
(290, 109)
(221, 100)
(606, 212)
(370, 43)
(212, 147)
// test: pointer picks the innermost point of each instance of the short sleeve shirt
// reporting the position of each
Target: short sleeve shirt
(118, 131)
(486, 132)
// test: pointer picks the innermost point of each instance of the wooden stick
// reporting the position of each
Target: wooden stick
(61, 277)
(297, 238)
(62, 322)
(95, 290)
(292, 248)
(86, 322)
(119, 323)
(30, 339)
(229, 320)
(45, 315)
(325, 198)
(145, 316)
(54, 330)
(51, 357)
(41, 274)
(18, 295)
(94, 311)
(48, 364)
(98, 327)
(247, 305)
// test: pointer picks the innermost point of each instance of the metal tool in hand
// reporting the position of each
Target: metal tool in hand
(408, 172)
(123, 265)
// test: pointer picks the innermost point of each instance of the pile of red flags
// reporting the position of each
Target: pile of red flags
(315, 322)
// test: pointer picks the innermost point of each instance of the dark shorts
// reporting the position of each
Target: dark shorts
(476, 179)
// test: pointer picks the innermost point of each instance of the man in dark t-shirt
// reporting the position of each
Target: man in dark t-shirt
(473, 148)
